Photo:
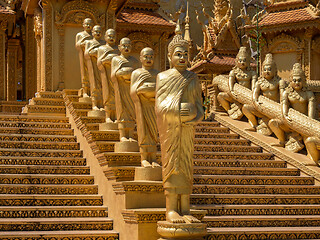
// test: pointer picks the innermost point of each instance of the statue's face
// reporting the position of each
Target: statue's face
(297, 82)
(96, 32)
(268, 71)
(147, 58)
(242, 62)
(179, 57)
(87, 24)
(110, 37)
(125, 46)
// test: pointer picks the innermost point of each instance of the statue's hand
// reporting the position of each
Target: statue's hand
(233, 93)
(289, 119)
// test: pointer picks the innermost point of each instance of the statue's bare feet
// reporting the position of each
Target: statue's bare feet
(155, 164)
(108, 120)
(146, 164)
(95, 108)
(174, 217)
(191, 219)
(124, 139)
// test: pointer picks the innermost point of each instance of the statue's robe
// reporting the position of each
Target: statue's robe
(81, 37)
(91, 55)
(105, 55)
(176, 138)
(124, 104)
(145, 112)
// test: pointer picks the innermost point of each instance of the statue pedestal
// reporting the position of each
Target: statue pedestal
(85, 100)
(186, 231)
(148, 173)
(126, 146)
(108, 126)
(97, 113)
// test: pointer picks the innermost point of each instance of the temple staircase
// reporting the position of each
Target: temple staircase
(47, 191)
(247, 192)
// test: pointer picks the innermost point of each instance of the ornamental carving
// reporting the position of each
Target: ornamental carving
(315, 45)
(285, 43)
(141, 40)
(74, 12)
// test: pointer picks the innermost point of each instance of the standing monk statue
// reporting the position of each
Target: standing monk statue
(243, 75)
(121, 69)
(105, 55)
(91, 56)
(269, 85)
(295, 96)
(143, 88)
(81, 37)
(178, 109)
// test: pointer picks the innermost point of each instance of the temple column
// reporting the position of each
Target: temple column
(12, 65)
(3, 84)
(61, 32)
(307, 52)
(111, 14)
(46, 47)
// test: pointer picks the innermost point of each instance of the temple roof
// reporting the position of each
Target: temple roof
(219, 64)
(140, 18)
(288, 16)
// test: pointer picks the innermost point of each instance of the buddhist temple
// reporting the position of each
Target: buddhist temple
(158, 119)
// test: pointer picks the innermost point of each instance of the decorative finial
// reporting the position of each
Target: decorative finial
(178, 30)
(187, 26)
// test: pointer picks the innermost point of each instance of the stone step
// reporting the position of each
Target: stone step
(93, 126)
(216, 141)
(233, 155)
(49, 95)
(39, 161)
(80, 105)
(44, 169)
(244, 210)
(48, 189)
(47, 109)
(65, 235)
(264, 233)
(246, 171)
(35, 119)
(56, 179)
(40, 145)
(202, 129)
(40, 131)
(256, 189)
(106, 146)
(55, 224)
(40, 153)
(251, 180)
(217, 135)
(19, 124)
(53, 211)
(240, 163)
(227, 148)
(50, 200)
(47, 101)
(120, 173)
(262, 221)
(208, 124)
(71, 91)
(121, 159)
(86, 119)
(74, 98)
(82, 112)
(250, 199)
(38, 138)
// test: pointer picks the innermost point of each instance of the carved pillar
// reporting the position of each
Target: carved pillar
(38, 36)
(3, 92)
(47, 48)
(163, 50)
(12, 65)
(31, 81)
(111, 14)
(307, 52)
(61, 32)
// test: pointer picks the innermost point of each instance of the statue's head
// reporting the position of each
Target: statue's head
(269, 67)
(298, 78)
(125, 46)
(243, 58)
(96, 32)
(178, 50)
(110, 36)
(87, 24)
(147, 57)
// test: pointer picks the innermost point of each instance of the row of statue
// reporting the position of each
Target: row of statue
(262, 115)
(168, 103)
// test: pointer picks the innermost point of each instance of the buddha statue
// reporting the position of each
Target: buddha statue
(105, 54)
(269, 85)
(91, 56)
(81, 37)
(122, 67)
(243, 75)
(295, 96)
(178, 108)
(143, 87)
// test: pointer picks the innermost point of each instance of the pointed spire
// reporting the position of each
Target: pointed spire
(187, 26)
(178, 30)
